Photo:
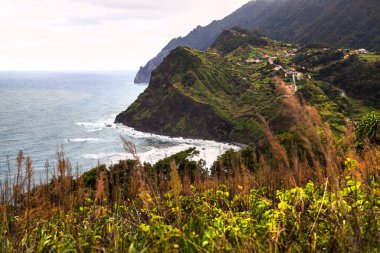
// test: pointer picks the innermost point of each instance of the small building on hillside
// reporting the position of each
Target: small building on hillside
(361, 51)
(253, 60)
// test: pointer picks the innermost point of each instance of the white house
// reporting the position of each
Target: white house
(361, 51)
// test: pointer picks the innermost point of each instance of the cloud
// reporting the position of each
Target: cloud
(111, 17)
(129, 4)
(99, 12)
(97, 34)
(104, 11)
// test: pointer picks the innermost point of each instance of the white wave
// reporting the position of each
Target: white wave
(94, 140)
(143, 135)
(109, 157)
(94, 130)
(208, 150)
(96, 126)
(90, 124)
(208, 153)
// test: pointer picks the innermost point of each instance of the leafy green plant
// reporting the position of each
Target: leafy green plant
(368, 127)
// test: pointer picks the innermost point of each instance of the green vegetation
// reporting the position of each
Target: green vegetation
(358, 78)
(307, 181)
(368, 127)
(300, 190)
(311, 218)
(167, 207)
(371, 57)
(231, 39)
(316, 23)
(318, 57)
(224, 93)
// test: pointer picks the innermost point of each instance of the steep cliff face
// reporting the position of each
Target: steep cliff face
(176, 115)
(181, 100)
(352, 24)
(243, 87)
(194, 94)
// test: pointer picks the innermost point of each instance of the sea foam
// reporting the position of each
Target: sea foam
(208, 150)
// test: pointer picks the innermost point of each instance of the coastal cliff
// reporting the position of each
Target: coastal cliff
(242, 87)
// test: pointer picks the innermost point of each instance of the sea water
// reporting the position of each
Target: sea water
(41, 112)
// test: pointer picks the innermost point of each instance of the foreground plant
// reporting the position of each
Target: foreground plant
(311, 218)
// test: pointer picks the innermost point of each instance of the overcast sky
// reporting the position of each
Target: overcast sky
(97, 34)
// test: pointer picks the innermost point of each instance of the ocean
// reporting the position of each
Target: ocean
(41, 112)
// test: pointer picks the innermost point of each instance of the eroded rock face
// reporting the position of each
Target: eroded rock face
(187, 97)
(177, 116)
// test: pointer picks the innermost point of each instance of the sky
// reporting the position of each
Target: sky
(97, 34)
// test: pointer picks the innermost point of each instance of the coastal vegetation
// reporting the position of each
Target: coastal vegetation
(243, 80)
(266, 199)
(306, 178)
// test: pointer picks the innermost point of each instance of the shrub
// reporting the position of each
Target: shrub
(368, 127)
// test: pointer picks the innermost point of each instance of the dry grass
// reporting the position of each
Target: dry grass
(317, 158)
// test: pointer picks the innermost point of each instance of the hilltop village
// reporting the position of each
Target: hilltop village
(292, 72)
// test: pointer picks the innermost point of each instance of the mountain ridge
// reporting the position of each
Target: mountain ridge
(328, 23)
(247, 86)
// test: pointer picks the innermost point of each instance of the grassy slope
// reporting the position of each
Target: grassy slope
(218, 95)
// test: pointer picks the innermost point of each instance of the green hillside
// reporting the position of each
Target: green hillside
(302, 186)
(338, 23)
(228, 91)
